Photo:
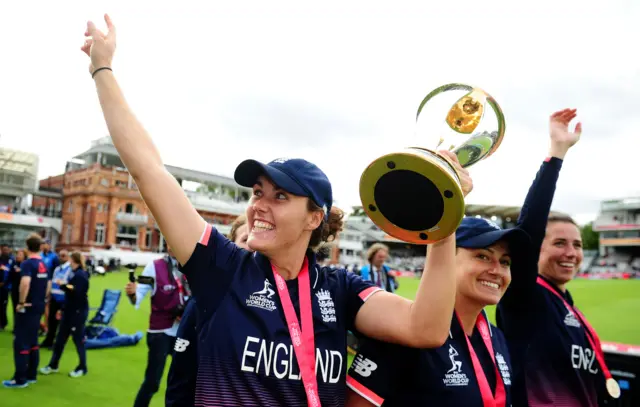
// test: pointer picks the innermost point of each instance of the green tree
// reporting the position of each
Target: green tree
(358, 211)
(590, 239)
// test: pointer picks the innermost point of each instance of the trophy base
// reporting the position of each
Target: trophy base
(413, 195)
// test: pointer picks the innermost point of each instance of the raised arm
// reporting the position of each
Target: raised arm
(178, 220)
(537, 205)
(425, 322)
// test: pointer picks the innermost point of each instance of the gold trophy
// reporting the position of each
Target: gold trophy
(415, 194)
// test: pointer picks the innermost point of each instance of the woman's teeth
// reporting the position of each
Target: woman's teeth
(259, 226)
(490, 284)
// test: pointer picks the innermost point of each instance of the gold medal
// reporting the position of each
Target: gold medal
(613, 388)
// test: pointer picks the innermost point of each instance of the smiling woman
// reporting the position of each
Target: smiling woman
(473, 366)
(557, 356)
(265, 316)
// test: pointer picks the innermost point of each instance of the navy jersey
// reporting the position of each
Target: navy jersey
(77, 298)
(554, 364)
(245, 353)
(34, 267)
(181, 382)
(390, 375)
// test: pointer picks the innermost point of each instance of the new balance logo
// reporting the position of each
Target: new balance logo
(181, 345)
(363, 366)
(281, 160)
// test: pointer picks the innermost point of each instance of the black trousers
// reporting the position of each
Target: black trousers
(26, 353)
(160, 346)
(72, 324)
(52, 323)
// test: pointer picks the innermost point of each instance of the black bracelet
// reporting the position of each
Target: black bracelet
(93, 75)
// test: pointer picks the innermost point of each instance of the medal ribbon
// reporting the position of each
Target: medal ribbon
(592, 336)
(488, 398)
(303, 341)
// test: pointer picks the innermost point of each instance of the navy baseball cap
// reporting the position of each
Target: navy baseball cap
(294, 175)
(478, 233)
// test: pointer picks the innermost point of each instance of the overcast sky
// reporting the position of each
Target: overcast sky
(337, 83)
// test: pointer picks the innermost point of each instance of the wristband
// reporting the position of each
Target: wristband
(93, 75)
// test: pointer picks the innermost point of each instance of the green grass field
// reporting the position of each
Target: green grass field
(114, 376)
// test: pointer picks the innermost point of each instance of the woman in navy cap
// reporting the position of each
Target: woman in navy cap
(273, 323)
(472, 368)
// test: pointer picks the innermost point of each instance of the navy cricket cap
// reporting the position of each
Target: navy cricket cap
(478, 233)
(294, 175)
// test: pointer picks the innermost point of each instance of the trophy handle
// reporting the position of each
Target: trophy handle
(501, 125)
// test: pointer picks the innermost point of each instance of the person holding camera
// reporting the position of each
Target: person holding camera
(166, 285)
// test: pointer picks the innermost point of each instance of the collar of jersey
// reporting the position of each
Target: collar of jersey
(566, 295)
(264, 263)
(456, 330)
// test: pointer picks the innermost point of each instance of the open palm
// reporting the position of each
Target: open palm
(98, 46)
(559, 128)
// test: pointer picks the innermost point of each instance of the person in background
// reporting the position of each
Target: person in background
(167, 304)
(50, 258)
(74, 316)
(14, 280)
(6, 265)
(181, 382)
(34, 282)
(51, 261)
(57, 297)
(376, 271)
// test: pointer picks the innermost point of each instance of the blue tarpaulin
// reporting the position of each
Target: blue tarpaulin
(108, 337)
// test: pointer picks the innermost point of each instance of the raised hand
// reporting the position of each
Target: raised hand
(465, 179)
(561, 138)
(98, 46)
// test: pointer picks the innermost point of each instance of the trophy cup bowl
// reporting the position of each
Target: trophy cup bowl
(415, 194)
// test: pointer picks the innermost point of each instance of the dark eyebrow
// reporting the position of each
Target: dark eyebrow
(493, 251)
(277, 188)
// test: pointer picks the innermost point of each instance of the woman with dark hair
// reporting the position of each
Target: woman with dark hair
(74, 317)
(284, 318)
(472, 368)
(557, 356)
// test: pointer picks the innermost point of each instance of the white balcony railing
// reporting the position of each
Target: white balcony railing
(131, 218)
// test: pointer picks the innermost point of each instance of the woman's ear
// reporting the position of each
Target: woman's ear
(315, 219)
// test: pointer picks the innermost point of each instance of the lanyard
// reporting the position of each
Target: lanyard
(612, 386)
(488, 399)
(181, 292)
(303, 342)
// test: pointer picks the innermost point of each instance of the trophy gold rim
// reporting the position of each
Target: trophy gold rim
(490, 100)
(435, 169)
